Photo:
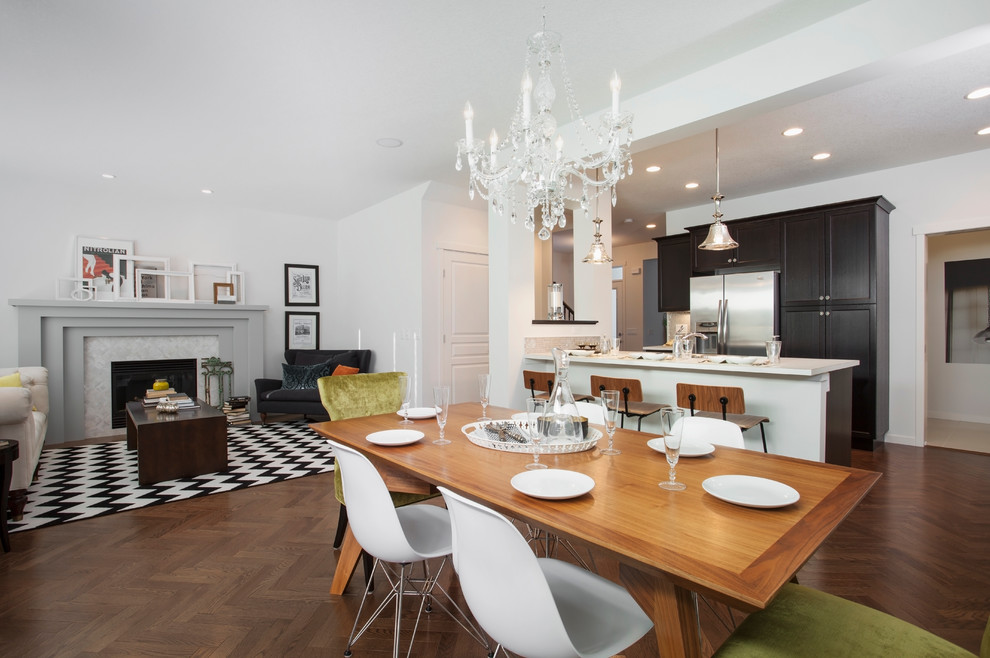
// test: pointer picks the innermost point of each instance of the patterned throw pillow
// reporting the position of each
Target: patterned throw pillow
(294, 377)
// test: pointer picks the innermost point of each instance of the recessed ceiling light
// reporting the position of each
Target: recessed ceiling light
(653, 169)
(651, 226)
(982, 92)
(628, 220)
(821, 156)
(983, 131)
(204, 191)
(389, 142)
(791, 132)
(691, 186)
(109, 176)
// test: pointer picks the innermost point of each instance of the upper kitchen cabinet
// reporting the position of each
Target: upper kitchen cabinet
(674, 272)
(831, 254)
(759, 247)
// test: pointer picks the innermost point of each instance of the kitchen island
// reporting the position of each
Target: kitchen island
(808, 401)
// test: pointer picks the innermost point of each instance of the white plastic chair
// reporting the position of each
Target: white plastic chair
(592, 411)
(536, 607)
(712, 430)
(397, 535)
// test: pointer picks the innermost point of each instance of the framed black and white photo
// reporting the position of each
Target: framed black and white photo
(302, 285)
(302, 330)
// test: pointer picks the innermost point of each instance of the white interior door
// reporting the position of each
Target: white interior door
(465, 322)
(618, 311)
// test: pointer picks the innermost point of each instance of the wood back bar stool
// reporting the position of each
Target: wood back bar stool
(631, 390)
(536, 382)
(724, 402)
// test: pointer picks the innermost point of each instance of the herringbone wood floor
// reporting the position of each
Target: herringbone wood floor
(247, 573)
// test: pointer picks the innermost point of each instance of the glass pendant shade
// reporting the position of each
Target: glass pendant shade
(718, 234)
(597, 253)
(718, 238)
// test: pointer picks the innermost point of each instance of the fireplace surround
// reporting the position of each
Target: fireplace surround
(53, 333)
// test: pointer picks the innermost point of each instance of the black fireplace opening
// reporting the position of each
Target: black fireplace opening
(130, 380)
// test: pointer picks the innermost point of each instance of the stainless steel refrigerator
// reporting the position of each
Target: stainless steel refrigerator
(737, 313)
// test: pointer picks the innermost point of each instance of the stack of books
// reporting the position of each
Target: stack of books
(236, 408)
(185, 402)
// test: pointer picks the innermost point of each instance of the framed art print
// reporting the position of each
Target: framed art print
(302, 330)
(302, 285)
(94, 261)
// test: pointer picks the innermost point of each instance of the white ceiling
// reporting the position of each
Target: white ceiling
(278, 105)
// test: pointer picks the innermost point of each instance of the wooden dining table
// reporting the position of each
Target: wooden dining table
(670, 545)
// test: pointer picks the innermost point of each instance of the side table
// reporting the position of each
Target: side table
(9, 451)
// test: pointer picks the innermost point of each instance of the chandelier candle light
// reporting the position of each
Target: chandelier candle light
(531, 156)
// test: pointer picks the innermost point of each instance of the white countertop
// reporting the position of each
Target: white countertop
(787, 367)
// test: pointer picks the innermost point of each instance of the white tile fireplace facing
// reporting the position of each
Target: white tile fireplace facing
(77, 341)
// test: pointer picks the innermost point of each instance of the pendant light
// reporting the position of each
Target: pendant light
(597, 254)
(718, 234)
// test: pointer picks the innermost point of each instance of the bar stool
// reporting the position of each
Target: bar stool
(535, 380)
(725, 402)
(632, 397)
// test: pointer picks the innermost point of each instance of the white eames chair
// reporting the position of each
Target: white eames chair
(711, 430)
(536, 607)
(592, 411)
(396, 536)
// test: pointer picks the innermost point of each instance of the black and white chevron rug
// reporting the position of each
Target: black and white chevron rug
(100, 479)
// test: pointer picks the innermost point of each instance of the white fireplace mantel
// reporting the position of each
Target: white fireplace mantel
(52, 333)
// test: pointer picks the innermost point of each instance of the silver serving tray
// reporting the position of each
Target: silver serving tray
(514, 438)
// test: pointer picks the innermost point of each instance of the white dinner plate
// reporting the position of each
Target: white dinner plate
(581, 352)
(742, 360)
(419, 413)
(552, 483)
(394, 437)
(750, 491)
(689, 447)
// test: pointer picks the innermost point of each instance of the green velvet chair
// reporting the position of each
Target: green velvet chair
(802, 621)
(354, 396)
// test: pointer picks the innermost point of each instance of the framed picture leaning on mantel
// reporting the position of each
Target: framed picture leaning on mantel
(302, 285)
(94, 262)
(302, 330)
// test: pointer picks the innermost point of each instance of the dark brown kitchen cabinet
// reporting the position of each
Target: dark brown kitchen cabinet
(674, 272)
(834, 299)
(759, 247)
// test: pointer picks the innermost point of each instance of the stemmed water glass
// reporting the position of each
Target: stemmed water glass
(610, 408)
(404, 394)
(534, 410)
(670, 420)
(441, 400)
(485, 387)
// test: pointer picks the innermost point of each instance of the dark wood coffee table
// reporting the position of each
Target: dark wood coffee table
(8, 453)
(190, 442)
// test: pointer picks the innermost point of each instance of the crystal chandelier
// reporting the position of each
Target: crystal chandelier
(718, 234)
(527, 169)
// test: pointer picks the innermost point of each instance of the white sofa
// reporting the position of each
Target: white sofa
(24, 418)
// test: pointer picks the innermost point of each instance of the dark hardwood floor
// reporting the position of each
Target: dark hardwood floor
(248, 573)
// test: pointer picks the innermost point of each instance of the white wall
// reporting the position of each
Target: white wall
(42, 217)
(928, 193)
(452, 222)
(956, 391)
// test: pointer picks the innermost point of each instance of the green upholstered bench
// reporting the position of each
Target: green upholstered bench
(802, 621)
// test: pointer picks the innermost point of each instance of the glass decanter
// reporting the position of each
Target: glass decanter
(561, 420)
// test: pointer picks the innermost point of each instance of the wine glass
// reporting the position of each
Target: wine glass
(404, 394)
(485, 387)
(534, 410)
(441, 400)
(671, 421)
(610, 408)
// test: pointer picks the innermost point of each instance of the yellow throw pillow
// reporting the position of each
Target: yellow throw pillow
(13, 379)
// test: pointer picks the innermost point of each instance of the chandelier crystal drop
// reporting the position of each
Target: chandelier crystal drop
(526, 169)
